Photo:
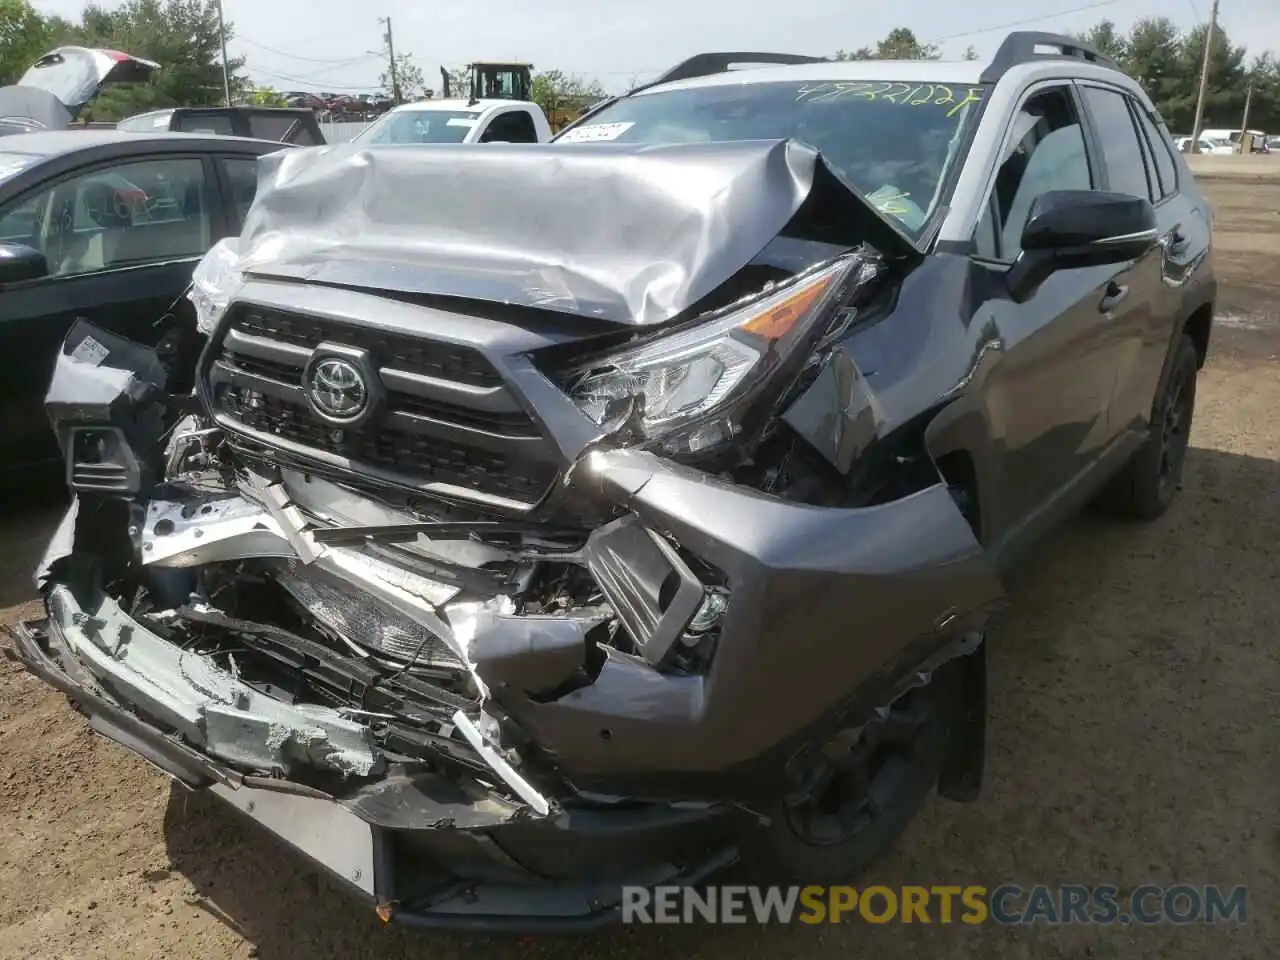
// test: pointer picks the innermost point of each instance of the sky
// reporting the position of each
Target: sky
(332, 45)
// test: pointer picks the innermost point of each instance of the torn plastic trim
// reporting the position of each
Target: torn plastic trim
(523, 788)
(228, 719)
(206, 705)
(532, 653)
(832, 599)
(60, 546)
(215, 282)
(177, 534)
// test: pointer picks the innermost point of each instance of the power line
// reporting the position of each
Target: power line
(337, 87)
(1022, 23)
(321, 74)
(294, 56)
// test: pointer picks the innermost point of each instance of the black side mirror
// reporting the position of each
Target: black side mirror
(1068, 229)
(19, 262)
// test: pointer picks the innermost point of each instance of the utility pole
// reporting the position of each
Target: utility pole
(1244, 122)
(1204, 79)
(391, 61)
(226, 72)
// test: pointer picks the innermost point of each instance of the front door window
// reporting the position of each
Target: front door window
(124, 215)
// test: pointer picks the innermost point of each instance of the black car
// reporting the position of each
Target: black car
(106, 227)
(291, 125)
(560, 521)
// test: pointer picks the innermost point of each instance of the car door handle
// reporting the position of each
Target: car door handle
(1116, 292)
(1177, 239)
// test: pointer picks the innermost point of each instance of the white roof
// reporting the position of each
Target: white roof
(458, 103)
(955, 72)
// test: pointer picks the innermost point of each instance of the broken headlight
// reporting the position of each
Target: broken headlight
(686, 390)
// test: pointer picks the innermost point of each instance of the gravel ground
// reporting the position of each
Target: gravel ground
(1136, 696)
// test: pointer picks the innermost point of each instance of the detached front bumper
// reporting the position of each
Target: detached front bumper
(421, 850)
(830, 612)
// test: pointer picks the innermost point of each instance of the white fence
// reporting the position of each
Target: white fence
(340, 131)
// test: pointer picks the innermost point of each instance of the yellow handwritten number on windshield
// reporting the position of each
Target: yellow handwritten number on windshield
(904, 94)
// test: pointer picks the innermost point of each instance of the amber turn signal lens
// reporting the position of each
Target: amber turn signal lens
(776, 322)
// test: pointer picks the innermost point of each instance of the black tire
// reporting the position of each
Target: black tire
(794, 848)
(1150, 481)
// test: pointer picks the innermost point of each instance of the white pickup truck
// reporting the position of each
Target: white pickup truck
(460, 121)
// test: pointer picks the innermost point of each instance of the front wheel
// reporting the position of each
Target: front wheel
(860, 790)
(1147, 485)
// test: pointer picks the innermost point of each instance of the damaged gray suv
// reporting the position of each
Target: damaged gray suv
(551, 519)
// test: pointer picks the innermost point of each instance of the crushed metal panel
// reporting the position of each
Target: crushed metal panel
(191, 534)
(838, 414)
(629, 234)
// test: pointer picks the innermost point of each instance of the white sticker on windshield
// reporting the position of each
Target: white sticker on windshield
(595, 132)
(461, 122)
(90, 351)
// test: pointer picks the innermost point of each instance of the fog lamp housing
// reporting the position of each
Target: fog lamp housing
(99, 460)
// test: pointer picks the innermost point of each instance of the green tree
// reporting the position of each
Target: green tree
(413, 86)
(556, 91)
(1167, 61)
(180, 35)
(24, 36)
(459, 83)
(263, 97)
(899, 44)
(1264, 109)
(1228, 79)
(1152, 55)
(1106, 39)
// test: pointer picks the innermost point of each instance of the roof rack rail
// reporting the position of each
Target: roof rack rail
(1024, 46)
(704, 65)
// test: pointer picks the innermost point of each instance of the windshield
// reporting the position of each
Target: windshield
(894, 142)
(420, 126)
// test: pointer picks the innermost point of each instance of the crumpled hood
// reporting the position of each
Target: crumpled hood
(629, 234)
(57, 86)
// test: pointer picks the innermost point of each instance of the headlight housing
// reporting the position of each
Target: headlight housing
(685, 391)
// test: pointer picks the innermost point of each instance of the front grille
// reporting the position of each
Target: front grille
(395, 350)
(448, 419)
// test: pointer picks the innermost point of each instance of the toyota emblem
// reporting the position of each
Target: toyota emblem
(337, 390)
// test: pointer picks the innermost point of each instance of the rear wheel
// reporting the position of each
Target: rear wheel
(1146, 487)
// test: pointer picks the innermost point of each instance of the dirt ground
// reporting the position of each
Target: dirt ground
(1136, 704)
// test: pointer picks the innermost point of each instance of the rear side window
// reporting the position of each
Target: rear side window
(146, 122)
(274, 126)
(513, 127)
(242, 174)
(1162, 151)
(1121, 151)
(210, 123)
